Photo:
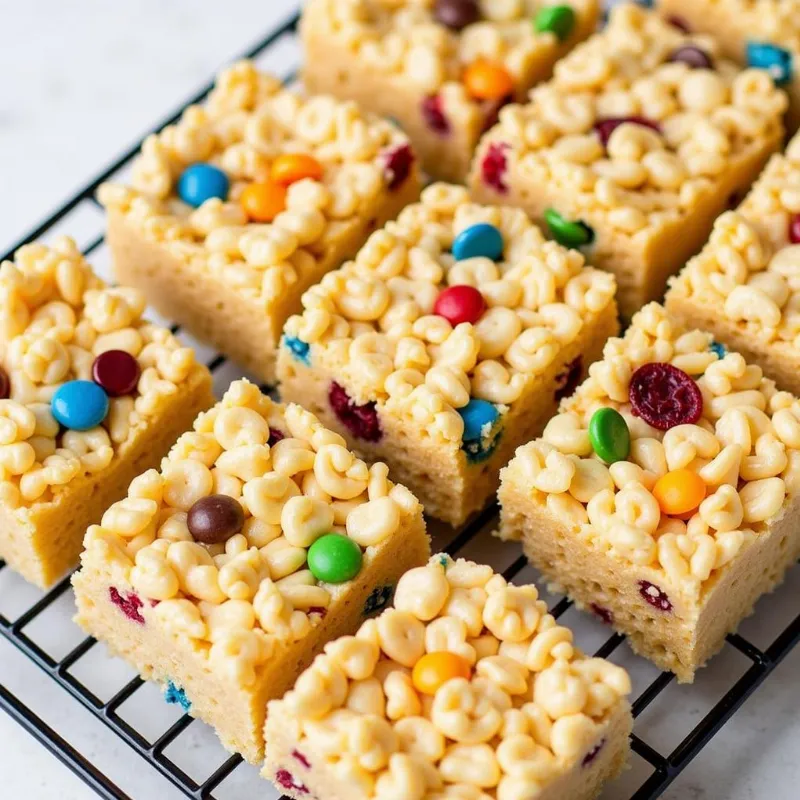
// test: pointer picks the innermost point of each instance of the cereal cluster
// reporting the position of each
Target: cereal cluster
(57, 321)
(373, 322)
(290, 482)
(467, 688)
(637, 125)
(689, 498)
(750, 268)
(248, 123)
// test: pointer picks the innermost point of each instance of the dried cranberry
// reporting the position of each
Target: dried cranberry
(362, 421)
(665, 396)
(592, 754)
(655, 596)
(605, 127)
(568, 379)
(679, 22)
(603, 613)
(297, 755)
(275, 435)
(434, 116)
(794, 229)
(287, 781)
(397, 165)
(494, 166)
(129, 604)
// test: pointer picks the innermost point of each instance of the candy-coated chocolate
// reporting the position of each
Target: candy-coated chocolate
(609, 435)
(558, 19)
(481, 239)
(262, 201)
(117, 371)
(334, 558)
(775, 60)
(606, 126)
(477, 414)
(456, 14)
(486, 80)
(80, 405)
(289, 168)
(566, 232)
(200, 182)
(693, 56)
(665, 396)
(459, 304)
(433, 670)
(5, 385)
(214, 519)
(679, 492)
(794, 229)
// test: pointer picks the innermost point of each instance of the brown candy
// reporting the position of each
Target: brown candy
(693, 56)
(214, 519)
(456, 14)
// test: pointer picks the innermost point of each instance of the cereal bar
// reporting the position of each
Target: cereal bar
(234, 211)
(261, 538)
(664, 495)
(467, 689)
(446, 343)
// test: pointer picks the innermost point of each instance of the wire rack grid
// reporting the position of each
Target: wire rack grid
(183, 754)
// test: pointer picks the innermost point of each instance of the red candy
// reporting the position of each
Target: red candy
(117, 372)
(605, 127)
(460, 304)
(397, 165)
(494, 165)
(794, 229)
(665, 396)
(362, 421)
(434, 116)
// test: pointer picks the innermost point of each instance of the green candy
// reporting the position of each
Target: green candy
(559, 20)
(569, 234)
(609, 435)
(334, 558)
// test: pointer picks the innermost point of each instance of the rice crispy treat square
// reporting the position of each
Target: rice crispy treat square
(63, 332)
(261, 538)
(439, 360)
(633, 149)
(441, 68)
(759, 33)
(467, 689)
(233, 268)
(664, 495)
(744, 286)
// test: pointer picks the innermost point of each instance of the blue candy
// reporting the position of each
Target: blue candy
(201, 182)
(298, 348)
(719, 349)
(476, 415)
(176, 696)
(80, 405)
(775, 60)
(482, 239)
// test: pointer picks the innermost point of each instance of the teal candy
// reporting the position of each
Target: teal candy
(476, 414)
(79, 405)
(775, 60)
(481, 239)
(334, 558)
(609, 435)
(201, 182)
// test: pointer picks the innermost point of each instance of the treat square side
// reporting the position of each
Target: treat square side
(743, 285)
(466, 688)
(763, 34)
(400, 61)
(675, 542)
(631, 151)
(232, 622)
(58, 317)
(445, 402)
(230, 270)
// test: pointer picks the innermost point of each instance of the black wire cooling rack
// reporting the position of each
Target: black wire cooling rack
(744, 669)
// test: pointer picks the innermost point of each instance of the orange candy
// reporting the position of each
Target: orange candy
(292, 167)
(263, 201)
(435, 669)
(679, 492)
(485, 80)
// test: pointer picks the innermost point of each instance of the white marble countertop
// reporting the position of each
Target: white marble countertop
(81, 82)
